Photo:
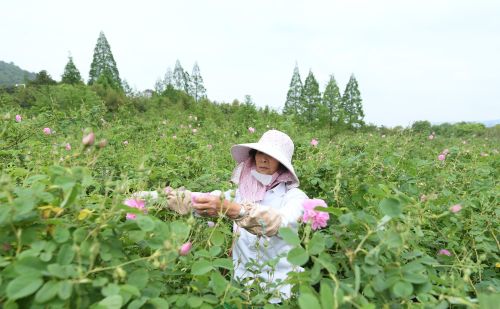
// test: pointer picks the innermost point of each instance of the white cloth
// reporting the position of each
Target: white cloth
(249, 248)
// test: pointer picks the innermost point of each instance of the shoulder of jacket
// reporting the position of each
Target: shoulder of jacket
(295, 193)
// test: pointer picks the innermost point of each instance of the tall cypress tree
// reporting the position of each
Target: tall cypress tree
(198, 90)
(179, 78)
(71, 74)
(294, 95)
(104, 62)
(332, 103)
(352, 104)
(311, 99)
(168, 79)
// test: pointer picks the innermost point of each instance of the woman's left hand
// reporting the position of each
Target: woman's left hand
(208, 205)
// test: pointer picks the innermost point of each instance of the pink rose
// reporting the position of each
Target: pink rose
(88, 140)
(185, 248)
(444, 252)
(318, 219)
(135, 203)
(455, 208)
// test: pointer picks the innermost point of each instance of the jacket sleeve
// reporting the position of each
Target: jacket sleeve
(265, 220)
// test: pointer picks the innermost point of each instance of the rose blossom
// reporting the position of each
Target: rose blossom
(135, 203)
(318, 219)
(455, 208)
(88, 140)
(444, 252)
(185, 248)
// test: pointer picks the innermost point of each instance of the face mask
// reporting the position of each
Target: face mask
(262, 178)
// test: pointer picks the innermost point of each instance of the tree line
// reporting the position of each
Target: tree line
(305, 102)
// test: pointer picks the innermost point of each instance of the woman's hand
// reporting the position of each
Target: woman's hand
(179, 201)
(211, 206)
(208, 205)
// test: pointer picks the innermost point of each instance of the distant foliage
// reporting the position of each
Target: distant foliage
(42, 78)
(71, 74)
(198, 90)
(11, 74)
(332, 111)
(294, 98)
(103, 63)
(310, 105)
(352, 104)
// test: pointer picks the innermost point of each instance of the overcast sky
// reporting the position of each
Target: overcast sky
(414, 60)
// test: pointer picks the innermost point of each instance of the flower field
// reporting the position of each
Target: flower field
(413, 220)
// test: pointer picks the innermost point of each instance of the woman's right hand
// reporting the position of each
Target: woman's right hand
(179, 200)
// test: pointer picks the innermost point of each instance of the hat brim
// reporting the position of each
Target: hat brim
(241, 152)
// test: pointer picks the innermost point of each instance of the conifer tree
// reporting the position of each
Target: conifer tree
(198, 90)
(104, 62)
(294, 95)
(168, 79)
(71, 74)
(311, 99)
(178, 77)
(159, 86)
(331, 107)
(352, 104)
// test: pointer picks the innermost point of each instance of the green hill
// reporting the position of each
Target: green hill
(11, 74)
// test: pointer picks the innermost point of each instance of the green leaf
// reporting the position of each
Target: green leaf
(289, 236)
(130, 289)
(316, 245)
(112, 302)
(402, 289)
(159, 303)
(195, 301)
(71, 196)
(393, 239)
(47, 292)
(218, 238)
(57, 271)
(415, 278)
(223, 263)
(138, 278)
(298, 256)
(65, 289)
(201, 267)
(66, 254)
(391, 207)
(308, 301)
(29, 265)
(326, 295)
(23, 286)
(145, 223)
(61, 234)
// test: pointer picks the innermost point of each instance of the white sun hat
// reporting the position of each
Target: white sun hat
(273, 143)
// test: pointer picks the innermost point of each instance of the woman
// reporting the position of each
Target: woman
(267, 198)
